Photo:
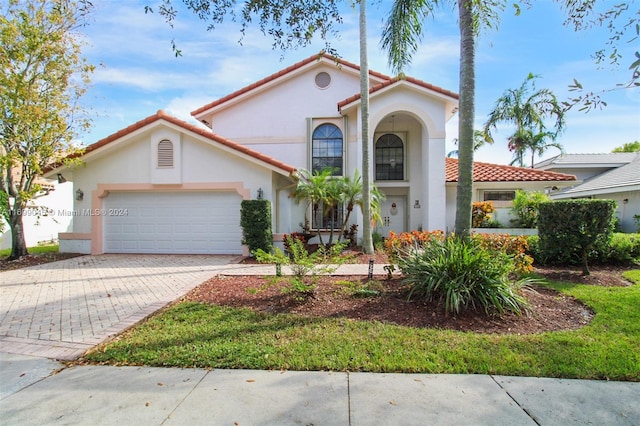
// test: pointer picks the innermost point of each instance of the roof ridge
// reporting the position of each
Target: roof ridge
(205, 132)
(489, 172)
(397, 79)
(281, 73)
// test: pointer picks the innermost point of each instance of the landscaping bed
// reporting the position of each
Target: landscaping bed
(334, 297)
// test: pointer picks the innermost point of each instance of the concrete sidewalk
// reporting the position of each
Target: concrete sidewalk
(100, 395)
(59, 310)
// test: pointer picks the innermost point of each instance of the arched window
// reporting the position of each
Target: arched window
(326, 149)
(389, 157)
(165, 154)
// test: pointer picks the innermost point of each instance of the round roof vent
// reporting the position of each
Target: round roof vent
(323, 80)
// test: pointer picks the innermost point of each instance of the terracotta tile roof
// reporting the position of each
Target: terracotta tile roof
(486, 172)
(394, 80)
(281, 73)
(161, 115)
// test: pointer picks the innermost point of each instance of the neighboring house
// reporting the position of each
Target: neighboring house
(498, 184)
(163, 185)
(614, 176)
(45, 216)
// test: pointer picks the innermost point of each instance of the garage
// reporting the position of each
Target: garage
(172, 222)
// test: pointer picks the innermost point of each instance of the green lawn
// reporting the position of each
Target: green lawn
(44, 249)
(199, 335)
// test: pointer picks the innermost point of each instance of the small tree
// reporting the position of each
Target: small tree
(575, 228)
(352, 195)
(43, 76)
(525, 207)
(312, 188)
(628, 147)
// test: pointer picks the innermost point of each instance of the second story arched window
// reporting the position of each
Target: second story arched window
(327, 148)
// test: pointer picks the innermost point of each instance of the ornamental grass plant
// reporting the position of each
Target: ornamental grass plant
(463, 274)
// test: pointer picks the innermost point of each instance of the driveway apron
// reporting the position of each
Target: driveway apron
(61, 309)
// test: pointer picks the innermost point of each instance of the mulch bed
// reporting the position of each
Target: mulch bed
(550, 310)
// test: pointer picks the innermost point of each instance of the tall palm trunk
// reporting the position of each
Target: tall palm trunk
(367, 242)
(466, 118)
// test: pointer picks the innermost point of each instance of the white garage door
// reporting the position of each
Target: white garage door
(172, 222)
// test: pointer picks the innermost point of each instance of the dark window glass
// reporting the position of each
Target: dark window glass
(326, 150)
(328, 218)
(499, 195)
(389, 158)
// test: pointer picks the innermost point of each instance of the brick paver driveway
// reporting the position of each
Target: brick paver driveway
(61, 309)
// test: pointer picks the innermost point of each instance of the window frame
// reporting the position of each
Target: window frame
(399, 137)
(341, 150)
(339, 212)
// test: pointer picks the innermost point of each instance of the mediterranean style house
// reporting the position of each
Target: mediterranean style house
(163, 185)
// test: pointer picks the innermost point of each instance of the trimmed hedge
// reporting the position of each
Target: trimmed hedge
(255, 220)
(571, 230)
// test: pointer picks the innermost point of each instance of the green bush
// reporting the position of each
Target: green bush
(305, 266)
(525, 208)
(623, 248)
(463, 275)
(255, 220)
(533, 248)
(571, 231)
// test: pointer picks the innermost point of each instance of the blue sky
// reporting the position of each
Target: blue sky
(138, 72)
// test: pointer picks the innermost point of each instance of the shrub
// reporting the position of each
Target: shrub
(378, 240)
(571, 231)
(396, 244)
(481, 213)
(514, 246)
(463, 275)
(623, 249)
(305, 266)
(533, 248)
(525, 207)
(255, 220)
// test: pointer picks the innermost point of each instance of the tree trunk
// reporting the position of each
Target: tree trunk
(466, 119)
(367, 241)
(585, 263)
(18, 244)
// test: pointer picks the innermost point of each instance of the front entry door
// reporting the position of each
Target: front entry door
(393, 215)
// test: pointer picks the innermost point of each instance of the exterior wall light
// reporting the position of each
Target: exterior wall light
(79, 195)
(260, 193)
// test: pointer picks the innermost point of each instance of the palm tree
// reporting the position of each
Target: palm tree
(401, 34)
(313, 188)
(527, 109)
(526, 140)
(353, 195)
(367, 240)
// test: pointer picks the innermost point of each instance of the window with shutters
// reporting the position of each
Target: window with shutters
(165, 154)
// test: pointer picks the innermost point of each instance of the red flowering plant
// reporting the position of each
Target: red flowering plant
(299, 236)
